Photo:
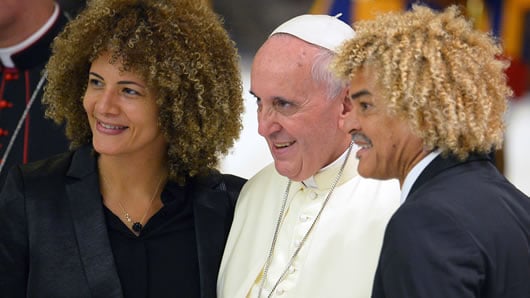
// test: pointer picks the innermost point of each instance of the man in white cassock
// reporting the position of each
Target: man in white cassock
(307, 225)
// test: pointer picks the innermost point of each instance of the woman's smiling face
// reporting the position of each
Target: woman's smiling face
(121, 110)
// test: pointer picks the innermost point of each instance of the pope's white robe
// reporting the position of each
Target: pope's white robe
(340, 255)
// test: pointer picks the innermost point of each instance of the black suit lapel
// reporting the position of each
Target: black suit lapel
(438, 165)
(90, 228)
(213, 217)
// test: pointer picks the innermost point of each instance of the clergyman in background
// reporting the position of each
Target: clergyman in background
(27, 29)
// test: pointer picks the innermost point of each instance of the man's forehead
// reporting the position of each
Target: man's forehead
(287, 51)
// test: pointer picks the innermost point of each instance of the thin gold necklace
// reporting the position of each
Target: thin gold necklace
(278, 224)
(137, 226)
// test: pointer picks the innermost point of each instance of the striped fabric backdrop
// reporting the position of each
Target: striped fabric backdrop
(509, 20)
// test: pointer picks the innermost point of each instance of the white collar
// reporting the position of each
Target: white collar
(413, 175)
(322, 178)
(6, 53)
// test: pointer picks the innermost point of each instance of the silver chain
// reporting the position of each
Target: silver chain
(313, 224)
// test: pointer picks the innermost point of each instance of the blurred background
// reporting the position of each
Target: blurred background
(250, 22)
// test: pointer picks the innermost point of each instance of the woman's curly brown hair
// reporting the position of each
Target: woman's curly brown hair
(182, 51)
(436, 71)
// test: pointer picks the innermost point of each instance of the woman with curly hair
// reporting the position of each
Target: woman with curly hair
(150, 95)
(428, 94)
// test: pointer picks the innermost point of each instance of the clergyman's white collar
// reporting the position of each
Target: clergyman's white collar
(6, 53)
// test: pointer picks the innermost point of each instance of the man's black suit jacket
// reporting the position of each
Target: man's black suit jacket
(463, 231)
(53, 237)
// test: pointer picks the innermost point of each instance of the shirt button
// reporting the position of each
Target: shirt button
(5, 104)
(280, 291)
(12, 75)
(292, 270)
(314, 195)
(304, 218)
(297, 243)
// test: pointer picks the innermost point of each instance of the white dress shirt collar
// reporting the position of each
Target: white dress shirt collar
(413, 175)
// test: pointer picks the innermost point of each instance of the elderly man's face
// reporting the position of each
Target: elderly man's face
(303, 127)
(389, 149)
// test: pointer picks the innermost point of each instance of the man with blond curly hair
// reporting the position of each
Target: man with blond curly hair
(429, 94)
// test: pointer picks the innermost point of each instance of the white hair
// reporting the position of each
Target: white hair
(321, 72)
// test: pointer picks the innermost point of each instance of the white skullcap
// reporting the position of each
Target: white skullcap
(321, 30)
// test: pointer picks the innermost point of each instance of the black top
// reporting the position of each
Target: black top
(54, 236)
(162, 261)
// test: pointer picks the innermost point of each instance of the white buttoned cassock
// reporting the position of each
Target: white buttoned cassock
(340, 255)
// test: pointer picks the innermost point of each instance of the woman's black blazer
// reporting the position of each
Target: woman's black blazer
(53, 237)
